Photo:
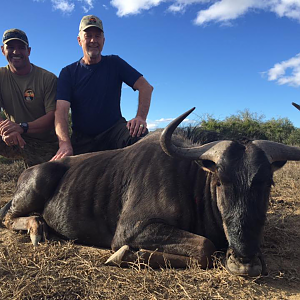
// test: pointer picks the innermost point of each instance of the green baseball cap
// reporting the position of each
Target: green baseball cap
(90, 21)
(14, 34)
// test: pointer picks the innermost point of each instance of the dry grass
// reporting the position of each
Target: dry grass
(63, 270)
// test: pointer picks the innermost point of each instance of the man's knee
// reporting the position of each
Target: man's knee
(82, 143)
(39, 153)
(12, 152)
(125, 139)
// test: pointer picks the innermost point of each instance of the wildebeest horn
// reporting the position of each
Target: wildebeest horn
(211, 151)
(296, 105)
(278, 152)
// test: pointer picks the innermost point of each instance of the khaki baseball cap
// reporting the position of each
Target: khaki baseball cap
(90, 21)
(14, 34)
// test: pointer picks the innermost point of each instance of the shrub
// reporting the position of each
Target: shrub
(246, 124)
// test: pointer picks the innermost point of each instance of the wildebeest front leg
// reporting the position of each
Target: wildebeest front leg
(35, 187)
(155, 259)
(168, 243)
(34, 225)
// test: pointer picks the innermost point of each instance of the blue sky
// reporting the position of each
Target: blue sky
(221, 56)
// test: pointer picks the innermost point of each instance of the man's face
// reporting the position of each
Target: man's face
(17, 54)
(91, 40)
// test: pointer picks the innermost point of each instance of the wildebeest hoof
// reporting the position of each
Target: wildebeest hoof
(116, 258)
(35, 226)
(250, 267)
(37, 229)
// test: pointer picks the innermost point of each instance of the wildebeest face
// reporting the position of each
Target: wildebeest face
(241, 182)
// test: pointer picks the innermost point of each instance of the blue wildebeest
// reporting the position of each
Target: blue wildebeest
(161, 194)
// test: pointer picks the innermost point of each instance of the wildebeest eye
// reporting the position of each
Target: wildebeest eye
(218, 183)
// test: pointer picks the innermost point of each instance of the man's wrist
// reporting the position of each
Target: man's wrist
(64, 143)
(24, 126)
(141, 118)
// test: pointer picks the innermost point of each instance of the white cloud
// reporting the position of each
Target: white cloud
(180, 5)
(132, 7)
(68, 6)
(287, 8)
(163, 122)
(87, 5)
(279, 72)
(63, 5)
(222, 11)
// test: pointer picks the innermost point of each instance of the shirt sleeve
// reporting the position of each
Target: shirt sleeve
(128, 74)
(1, 85)
(50, 93)
(64, 85)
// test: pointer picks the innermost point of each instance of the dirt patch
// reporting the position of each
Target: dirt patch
(63, 270)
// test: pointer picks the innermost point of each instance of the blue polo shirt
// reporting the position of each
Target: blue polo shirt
(94, 92)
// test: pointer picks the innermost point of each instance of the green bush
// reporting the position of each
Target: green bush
(246, 125)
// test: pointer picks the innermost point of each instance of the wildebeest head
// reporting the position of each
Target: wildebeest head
(240, 183)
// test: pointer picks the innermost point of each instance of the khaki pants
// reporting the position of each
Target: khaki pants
(115, 137)
(34, 152)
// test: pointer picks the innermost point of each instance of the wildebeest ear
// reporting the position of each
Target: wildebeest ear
(276, 165)
(207, 165)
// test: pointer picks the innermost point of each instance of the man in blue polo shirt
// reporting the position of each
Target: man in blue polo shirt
(91, 87)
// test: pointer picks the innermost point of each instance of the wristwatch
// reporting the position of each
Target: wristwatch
(24, 126)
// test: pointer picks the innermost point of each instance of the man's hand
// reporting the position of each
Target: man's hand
(14, 139)
(137, 126)
(7, 127)
(65, 149)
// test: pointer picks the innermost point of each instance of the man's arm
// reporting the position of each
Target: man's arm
(62, 129)
(11, 131)
(39, 125)
(145, 92)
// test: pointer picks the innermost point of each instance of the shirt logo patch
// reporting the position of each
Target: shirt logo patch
(28, 95)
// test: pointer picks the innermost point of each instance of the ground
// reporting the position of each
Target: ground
(61, 269)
